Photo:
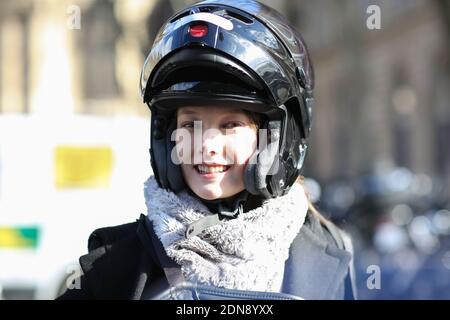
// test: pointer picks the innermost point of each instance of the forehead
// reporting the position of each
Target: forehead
(209, 110)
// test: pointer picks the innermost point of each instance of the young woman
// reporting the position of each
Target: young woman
(230, 89)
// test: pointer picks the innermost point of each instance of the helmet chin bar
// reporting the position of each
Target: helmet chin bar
(273, 170)
(167, 173)
(263, 162)
(302, 151)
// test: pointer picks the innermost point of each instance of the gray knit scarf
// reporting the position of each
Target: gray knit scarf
(246, 253)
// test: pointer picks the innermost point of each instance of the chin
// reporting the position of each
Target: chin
(208, 194)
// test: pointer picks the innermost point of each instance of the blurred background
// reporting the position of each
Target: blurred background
(74, 134)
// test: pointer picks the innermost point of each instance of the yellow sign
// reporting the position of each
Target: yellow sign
(19, 237)
(83, 167)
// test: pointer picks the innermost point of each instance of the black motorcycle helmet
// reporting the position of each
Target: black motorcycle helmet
(225, 53)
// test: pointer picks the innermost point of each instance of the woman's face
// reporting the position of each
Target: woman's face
(216, 146)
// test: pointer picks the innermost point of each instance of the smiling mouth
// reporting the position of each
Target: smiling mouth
(203, 169)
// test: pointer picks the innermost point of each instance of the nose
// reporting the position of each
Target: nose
(213, 142)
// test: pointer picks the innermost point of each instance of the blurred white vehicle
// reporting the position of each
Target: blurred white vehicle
(59, 180)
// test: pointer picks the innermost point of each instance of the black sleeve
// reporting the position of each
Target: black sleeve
(83, 293)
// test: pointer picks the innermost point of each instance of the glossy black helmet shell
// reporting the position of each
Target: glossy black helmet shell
(249, 55)
(252, 40)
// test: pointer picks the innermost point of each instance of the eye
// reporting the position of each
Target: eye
(187, 124)
(232, 124)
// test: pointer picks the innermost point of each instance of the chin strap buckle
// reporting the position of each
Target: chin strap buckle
(230, 214)
(199, 226)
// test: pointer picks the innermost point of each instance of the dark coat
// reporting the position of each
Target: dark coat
(123, 264)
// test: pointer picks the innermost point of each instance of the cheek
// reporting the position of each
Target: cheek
(185, 172)
(183, 148)
(242, 145)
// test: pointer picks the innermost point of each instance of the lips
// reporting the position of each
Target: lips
(211, 169)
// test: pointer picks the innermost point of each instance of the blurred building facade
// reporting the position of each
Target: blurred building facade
(382, 95)
(49, 65)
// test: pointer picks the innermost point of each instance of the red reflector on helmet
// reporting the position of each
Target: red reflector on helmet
(198, 30)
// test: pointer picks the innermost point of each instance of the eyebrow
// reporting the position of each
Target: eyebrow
(184, 111)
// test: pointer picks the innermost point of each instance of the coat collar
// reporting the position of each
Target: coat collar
(316, 269)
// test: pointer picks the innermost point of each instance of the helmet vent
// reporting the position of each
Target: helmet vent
(207, 9)
(181, 15)
(216, 10)
(239, 17)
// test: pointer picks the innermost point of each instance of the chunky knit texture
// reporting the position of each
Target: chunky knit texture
(246, 253)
